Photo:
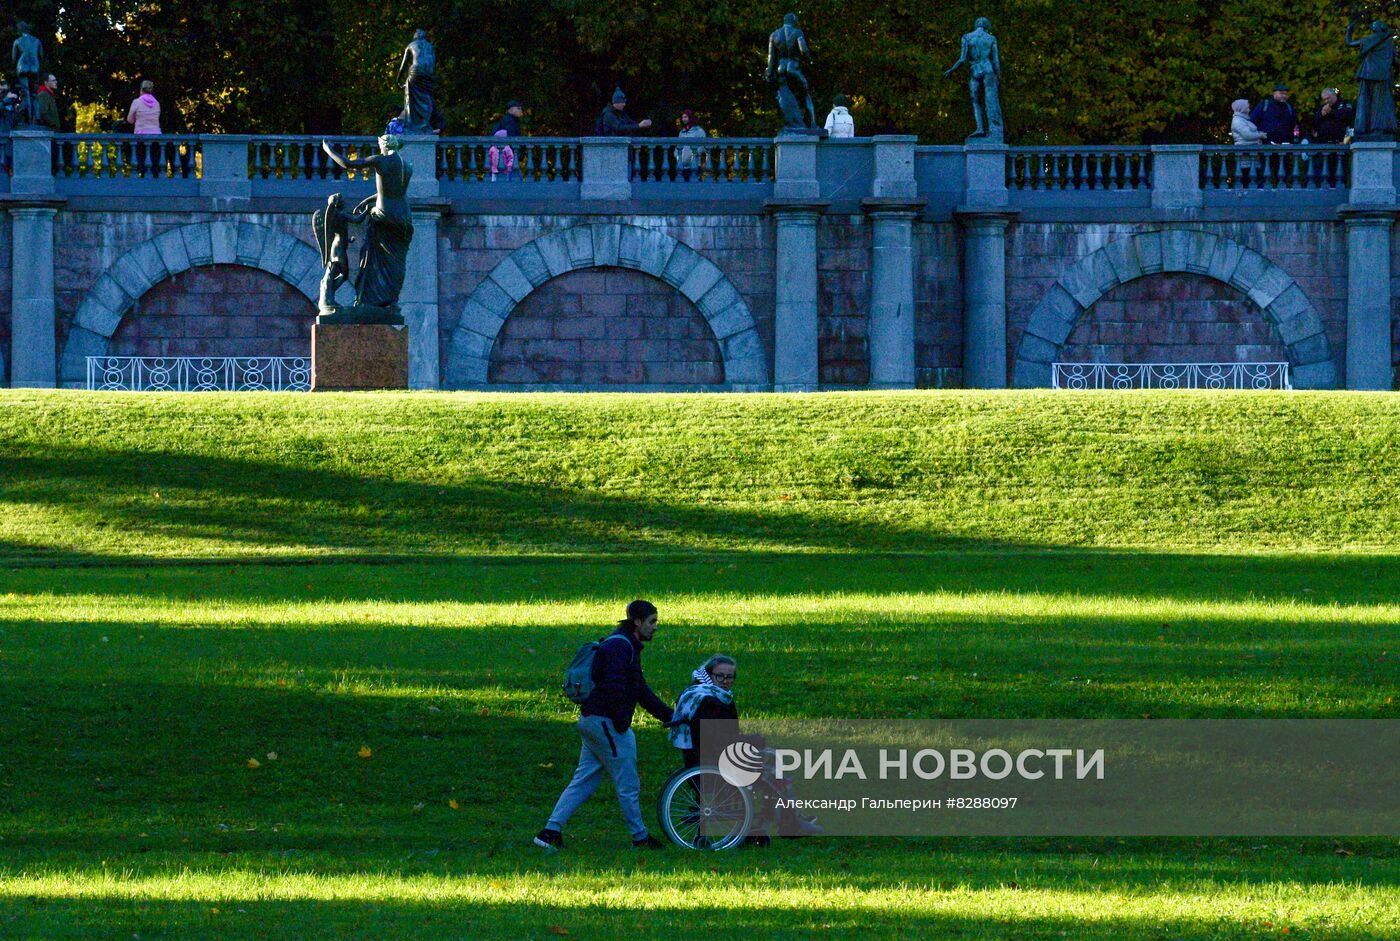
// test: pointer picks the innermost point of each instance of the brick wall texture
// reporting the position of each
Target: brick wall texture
(220, 310)
(1173, 318)
(606, 326)
(1312, 253)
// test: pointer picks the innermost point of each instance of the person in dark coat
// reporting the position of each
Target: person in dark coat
(605, 726)
(1276, 117)
(1332, 119)
(706, 722)
(615, 122)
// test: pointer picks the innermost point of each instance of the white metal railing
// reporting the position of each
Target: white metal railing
(1170, 376)
(199, 373)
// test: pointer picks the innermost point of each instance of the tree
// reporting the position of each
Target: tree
(1129, 72)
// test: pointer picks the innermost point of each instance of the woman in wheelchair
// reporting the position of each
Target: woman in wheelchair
(706, 722)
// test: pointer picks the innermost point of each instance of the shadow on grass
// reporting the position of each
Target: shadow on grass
(262, 504)
(609, 576)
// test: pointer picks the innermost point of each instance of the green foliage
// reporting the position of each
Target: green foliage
(1074, 72)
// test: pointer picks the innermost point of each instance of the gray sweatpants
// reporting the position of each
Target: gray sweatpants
(604, 749)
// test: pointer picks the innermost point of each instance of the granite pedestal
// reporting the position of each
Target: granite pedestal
(358, 357)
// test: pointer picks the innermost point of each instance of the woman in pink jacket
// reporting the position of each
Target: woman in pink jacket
(144, 117)
(144, 113)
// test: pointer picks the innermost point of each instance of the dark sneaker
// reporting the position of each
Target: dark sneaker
(549, 839)
(648, 842)
(758, 839)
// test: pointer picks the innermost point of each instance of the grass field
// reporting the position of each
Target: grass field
(192, 582)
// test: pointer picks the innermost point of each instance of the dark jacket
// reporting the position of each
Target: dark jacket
(1276, 119)
(614, 123)
(48, 109)
(618, 683)
(1332, 128)
(720, 722)
(510, 124)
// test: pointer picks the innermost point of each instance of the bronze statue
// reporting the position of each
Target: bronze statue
(979, 51)
(26, 57)
(389, 232)
(418, 74)
(1375, 102)
(787, 51)
(332, 227)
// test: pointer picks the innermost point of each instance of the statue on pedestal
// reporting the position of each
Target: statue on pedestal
(26, 57)
(787, 51)
(388, 234)
(1375, 102)
(979, 51)
(418, 73)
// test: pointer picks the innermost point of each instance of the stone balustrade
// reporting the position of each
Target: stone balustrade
(866, 262)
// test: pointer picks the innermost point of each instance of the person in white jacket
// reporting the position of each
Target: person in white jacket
(1242, 129)
(839, 122)
(1246, 132)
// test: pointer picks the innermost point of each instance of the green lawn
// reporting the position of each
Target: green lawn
(189, 582)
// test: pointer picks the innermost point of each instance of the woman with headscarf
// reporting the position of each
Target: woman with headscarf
(1246, 133)
(708, 704)
(1242, 129)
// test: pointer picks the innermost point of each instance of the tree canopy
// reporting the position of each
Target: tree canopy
(1129, 72)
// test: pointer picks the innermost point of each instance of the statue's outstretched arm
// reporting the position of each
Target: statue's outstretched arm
(802, 47)
(345, 163)
(996, 57)
(962, 57)
(403, 66)
(772, 59)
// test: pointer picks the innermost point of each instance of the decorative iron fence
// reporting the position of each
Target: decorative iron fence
(1290, 167)
(536, 159)
(199, 373)
(702, 159)
(1170, 376)
(1079, 168)
(301, 158)
(130, 156)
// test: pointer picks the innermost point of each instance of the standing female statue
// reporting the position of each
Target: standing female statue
(384, 258)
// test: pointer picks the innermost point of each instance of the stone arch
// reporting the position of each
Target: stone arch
(1271, 288)
(608, 245)
(170, 253)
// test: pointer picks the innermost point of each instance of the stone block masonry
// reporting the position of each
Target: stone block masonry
(606, 326)
(904, 266)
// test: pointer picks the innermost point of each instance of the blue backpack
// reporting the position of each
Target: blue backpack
(578, 678)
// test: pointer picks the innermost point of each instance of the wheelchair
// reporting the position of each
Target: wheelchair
(700, 810)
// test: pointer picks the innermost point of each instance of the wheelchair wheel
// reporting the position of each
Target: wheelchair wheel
(700, 810)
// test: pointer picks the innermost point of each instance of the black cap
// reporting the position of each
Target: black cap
(1281, 87)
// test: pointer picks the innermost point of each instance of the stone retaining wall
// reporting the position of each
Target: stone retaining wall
(221, 310)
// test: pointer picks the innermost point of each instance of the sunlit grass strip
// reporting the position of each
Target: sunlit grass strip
(683, 609)
(1295, 903)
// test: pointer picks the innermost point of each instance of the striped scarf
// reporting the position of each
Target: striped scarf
(700, 688)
